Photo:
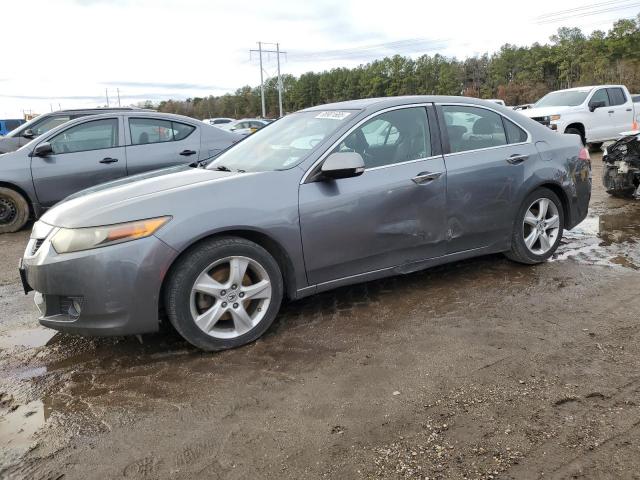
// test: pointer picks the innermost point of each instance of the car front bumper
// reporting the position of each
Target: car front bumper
(116, 287)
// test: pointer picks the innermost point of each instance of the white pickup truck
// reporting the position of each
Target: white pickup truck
(597, 113)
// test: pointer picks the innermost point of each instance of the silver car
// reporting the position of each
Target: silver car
(93, 149)
(329, 196)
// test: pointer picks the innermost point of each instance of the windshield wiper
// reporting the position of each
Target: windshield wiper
(222, 168)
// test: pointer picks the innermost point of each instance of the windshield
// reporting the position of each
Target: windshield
(283, 144)
(567, 98)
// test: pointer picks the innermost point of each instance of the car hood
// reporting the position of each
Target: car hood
(89, 207)
(546, 111)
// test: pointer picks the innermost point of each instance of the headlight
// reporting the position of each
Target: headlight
(553, 118)
(68, 240)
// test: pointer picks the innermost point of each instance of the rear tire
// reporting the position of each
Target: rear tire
(537, 230)
(14, 210)
(223, 293)
(576, 131)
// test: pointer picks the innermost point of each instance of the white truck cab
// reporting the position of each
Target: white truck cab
(597, 113)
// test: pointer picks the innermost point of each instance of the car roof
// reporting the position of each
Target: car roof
(385, 102)
(141, 113)
(100, 109)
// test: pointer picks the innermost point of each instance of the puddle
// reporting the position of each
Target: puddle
(607, 240)
(17, 430)
(29, 338)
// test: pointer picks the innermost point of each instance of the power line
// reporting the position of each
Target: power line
(401, 46)
(584, 7)
(587, 13)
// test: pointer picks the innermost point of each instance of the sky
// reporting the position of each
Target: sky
(72, 53)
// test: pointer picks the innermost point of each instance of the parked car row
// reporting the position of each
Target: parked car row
(67, 155)
(328, 196)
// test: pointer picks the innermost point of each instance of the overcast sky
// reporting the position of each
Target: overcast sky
(65, 53)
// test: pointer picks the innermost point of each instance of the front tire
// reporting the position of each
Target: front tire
(14, 211)
(223, 293)
(538, 228)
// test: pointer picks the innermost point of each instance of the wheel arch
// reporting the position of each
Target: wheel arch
(579, 126)
(275, 249)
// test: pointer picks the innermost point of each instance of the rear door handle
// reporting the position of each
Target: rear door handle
(186, 153)
(629, 109)
(424, 177)
(109, 160)
(612, 111)
(516, 159)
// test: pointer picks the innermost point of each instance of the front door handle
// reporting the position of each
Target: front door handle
(425, 177)
(612, 111)
(516, 159)
(186, 153)
(109, 160)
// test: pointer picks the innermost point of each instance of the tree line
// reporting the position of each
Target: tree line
(514, 74)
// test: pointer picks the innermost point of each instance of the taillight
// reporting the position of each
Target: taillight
(584, 155)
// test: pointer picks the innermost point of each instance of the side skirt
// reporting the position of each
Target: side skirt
(397, 270)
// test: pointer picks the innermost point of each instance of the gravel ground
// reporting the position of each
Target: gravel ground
(479, 369)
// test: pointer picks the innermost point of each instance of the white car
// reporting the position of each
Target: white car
(246, 126)
(218, 121)
(597, 113)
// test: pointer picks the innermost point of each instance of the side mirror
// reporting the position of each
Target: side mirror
(342, 165)
(43, 150)
(28, 133)
(594, 105)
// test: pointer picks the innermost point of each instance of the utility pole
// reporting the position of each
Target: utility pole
(277, 51)
(106, 93)
(264, 114)
(279, 80)
(118, 90)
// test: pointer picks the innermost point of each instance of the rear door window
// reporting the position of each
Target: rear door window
(616, 96)
(473, 128)
(154, 130)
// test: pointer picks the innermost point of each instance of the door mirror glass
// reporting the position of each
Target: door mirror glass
(28, 133)
(342, 165)
(594, 105)
(43, 150)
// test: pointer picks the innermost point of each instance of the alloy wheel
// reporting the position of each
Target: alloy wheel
(541, 226)
(230, 297)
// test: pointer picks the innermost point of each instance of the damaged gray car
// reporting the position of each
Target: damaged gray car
(621, 175)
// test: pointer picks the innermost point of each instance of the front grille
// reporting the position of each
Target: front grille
(543, 120)
(36, 245)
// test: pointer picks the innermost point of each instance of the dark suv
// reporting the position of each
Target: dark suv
(43, 123)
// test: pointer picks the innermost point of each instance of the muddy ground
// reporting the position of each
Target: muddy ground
(479, 369)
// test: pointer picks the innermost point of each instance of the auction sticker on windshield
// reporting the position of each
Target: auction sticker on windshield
(333, 115)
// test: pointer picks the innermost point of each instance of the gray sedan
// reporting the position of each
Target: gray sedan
(329, 196)
(95, 149)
